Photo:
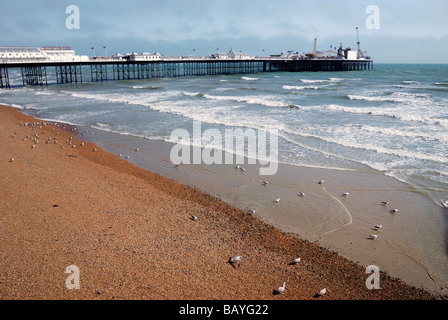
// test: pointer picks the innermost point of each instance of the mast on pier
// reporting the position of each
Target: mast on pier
(360, 54)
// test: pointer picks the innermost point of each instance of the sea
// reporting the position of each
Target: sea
(392, 119)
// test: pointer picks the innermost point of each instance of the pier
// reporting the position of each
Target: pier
(45, 73)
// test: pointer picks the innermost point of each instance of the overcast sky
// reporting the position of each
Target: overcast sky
(409, 31)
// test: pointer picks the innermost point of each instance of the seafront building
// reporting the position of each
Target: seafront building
(45, 54)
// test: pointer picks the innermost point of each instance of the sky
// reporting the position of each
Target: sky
(396, 31)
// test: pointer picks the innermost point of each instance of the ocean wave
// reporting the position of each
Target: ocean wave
(397, 97)
(406, 133)
(445, 84)
(102, 125)
(404, 116)
(193, 94)
(147, 87)
(126, 133)
(249, 79)
(402, 153)
(410, 82)
(312, 81)
(440, 88)
(44, 93)
(12, 105)
(144, 99)
(268, 101)
(286, 87)
(400, 86)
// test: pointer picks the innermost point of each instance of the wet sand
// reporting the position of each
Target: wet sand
(130, 233)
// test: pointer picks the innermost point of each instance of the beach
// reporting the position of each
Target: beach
(131, 234)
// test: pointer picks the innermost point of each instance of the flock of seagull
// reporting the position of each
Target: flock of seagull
(236, 259)
(345, 194)
(41, 124)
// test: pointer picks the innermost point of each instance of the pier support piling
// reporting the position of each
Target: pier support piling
(98, 72)
(68, 74)
(101, 71)
(34, 75)
(4, 78)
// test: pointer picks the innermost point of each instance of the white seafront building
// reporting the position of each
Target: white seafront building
(45, 54)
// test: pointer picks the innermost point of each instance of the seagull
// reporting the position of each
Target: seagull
(137, 150)
(277, 200)
(251, 211)
(265, 183)
(194, 218)
(282, 288)
(378, 227)
(236, 259)
(373, 236)
(296, 261)
(345, 194)
(301, 194)
(321, 182)
(393, 210)
(12, 160)
(385, 203)
(445, 203)
(322, 292)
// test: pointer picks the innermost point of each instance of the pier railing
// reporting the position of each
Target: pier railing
(44, 73)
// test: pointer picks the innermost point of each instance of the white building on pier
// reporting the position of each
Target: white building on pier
(45, 54)
(145, 56)
(232, 55)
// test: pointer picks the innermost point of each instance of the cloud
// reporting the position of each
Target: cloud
(252, 24)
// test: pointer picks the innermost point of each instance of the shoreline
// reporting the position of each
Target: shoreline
(130, 233)
(323, 216)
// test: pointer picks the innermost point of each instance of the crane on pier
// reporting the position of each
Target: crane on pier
(360, 54)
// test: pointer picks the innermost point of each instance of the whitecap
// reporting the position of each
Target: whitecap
(411, 82)
(250, 79)
(286, 87)
(312, 81)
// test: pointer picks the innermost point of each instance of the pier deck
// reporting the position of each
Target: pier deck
(36, 73)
